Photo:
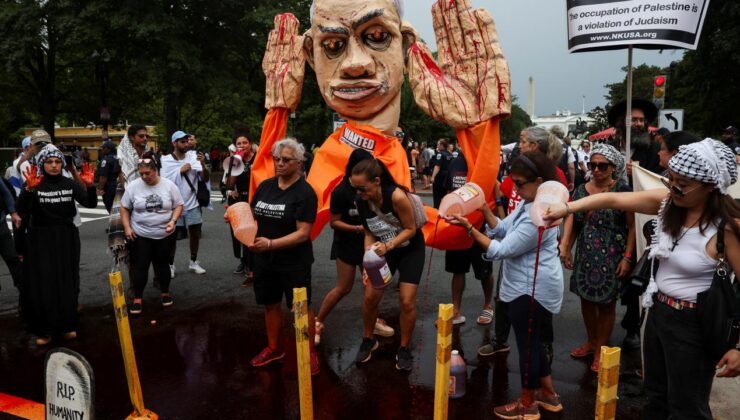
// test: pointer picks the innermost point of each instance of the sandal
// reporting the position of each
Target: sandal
(596, 365)
(581, 352)
(319, 327)
(485, 317)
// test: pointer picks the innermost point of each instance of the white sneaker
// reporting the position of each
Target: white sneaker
(195, 266)
(382, 329)
(172, 271)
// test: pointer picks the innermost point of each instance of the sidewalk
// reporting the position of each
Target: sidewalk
(725, 398)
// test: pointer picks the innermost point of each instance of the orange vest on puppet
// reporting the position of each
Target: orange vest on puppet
(360, 54)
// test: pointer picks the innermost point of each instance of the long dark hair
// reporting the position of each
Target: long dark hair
(676, 139)
(374, 168)
(718, 207)
(533, 165)
(357, 156)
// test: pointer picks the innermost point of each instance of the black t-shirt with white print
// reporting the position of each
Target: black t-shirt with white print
(276, 212)
(385, 227)
(457, 173)
(343, 203)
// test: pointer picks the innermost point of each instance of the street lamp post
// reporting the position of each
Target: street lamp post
(101, 76)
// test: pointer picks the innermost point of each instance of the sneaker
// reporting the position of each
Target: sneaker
(516, 411)
(267, 356)
(195, 267)
(239, 268)
(549, 403)
(493, 348)
(382, 329)
(460, 319)
(315, 364)
(368, 346)
(135, 308)
(172, 271)
(404, 359)
(167, 300)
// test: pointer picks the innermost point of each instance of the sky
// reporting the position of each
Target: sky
(533, 35)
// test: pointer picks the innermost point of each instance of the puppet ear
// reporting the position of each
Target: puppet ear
(308, 48)
(409, 36)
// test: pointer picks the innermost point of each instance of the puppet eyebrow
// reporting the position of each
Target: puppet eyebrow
(330, 30)
(371, 15)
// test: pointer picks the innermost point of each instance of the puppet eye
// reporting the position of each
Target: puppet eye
(333, 47)
(377, 38)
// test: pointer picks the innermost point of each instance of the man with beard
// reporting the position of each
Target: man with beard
(644, 149)
(729, 138)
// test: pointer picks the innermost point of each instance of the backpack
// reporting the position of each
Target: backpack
(563, 164)
(580, 176)
(417, 206)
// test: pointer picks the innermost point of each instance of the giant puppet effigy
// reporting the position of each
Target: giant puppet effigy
(360, 52)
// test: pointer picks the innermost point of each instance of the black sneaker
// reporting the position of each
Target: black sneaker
(404, 359)
(167, 300)
(493, 348)
(631, 342)
(239, 269)
(135, 308)
(368, 346)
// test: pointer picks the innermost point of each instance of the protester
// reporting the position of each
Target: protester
(285, 209)
(184, 169)
(605, 244)
(238, 191)
(567, 162)
(440, 165)
(670, 145)
(390, 228)
(150, 208)
(348, 246)
(13, 174)
(516, 244)
(678, 369)
(427, 156)
(108, 172)
(644, 149)
(7, 245)
(458, 262)
(51, 262)
(130, 150)
(730, 139)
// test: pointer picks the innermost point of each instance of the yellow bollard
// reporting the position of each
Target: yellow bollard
(303, 352)
(444, 350)
(127, 348)
(606, 395)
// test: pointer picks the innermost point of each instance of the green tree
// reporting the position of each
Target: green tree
(642, 84)
(601, 122)
(512, 126)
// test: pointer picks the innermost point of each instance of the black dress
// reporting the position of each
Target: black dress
(241, 186)
(51, 265)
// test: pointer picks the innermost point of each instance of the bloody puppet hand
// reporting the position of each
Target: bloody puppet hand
(284, 64)
(88, 174)
(471, 83)
(32, 179)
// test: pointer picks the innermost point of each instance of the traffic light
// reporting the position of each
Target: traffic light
(659, 89)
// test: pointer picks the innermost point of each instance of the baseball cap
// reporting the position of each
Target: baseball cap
(177, 135)
(26, 142)
(109, 144)
(732, 130)
(40, 136)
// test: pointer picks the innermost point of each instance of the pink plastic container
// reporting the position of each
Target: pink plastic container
(549, 192)
(242, 222)
(462, 201)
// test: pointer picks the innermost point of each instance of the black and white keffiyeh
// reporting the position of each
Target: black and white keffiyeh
(708, 161)
(47, 152)
(613, 156)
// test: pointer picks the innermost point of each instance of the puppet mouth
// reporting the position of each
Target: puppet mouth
(355, 92)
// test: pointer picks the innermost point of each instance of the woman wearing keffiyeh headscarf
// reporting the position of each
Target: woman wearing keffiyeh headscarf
(51, 263)
(678, 366)
(605, 240)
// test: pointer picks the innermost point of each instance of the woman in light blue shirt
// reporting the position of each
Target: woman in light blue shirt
(514, 240)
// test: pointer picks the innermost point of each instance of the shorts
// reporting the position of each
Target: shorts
(350, 253)
(459, 262)
(427, 171)
(271, 285)
(191, 217)
(408, 260)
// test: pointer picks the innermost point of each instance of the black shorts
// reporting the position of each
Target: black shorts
(409, 260)
(349, 252)
(427, 171)
(459, 262)
(271, 285)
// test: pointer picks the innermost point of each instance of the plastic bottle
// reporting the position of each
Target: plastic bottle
(376, 269)
(458, 375)
(242, 222)
(462, 201)
(549, 192)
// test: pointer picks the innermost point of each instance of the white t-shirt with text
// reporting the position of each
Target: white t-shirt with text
(151, 206)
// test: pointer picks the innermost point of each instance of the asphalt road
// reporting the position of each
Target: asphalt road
(194, 361)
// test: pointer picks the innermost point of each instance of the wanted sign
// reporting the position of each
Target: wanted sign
(610, 24)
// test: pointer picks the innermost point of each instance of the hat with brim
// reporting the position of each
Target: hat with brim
(178, 135)
(40, 136)
(620, 109)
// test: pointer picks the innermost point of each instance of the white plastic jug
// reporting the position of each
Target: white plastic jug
(376, 269)
(549, 192)
(242, 222)
(462, 201)
(458, 375)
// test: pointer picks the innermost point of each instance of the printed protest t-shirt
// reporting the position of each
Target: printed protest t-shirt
(276, 212)
(343, 203)
(386, 227)
(151, 206)
(457, 174)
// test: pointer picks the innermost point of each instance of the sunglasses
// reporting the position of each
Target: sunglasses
(147, 161)
(520, 184)
(285, 160)
(142, 136)
(676, 189)
(602, 166)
